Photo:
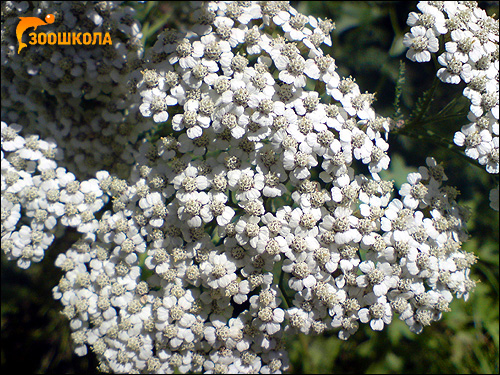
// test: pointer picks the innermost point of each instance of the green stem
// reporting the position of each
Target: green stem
(432, 137)
(287, 301)
(394, 21)
(304, 342)
(455, 116)
(151, 29)
(452, 102)
(428, 99)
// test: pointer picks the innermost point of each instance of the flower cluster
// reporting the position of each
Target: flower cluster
(79, 95)
(39, 197)
(255, 208)
(470, 55)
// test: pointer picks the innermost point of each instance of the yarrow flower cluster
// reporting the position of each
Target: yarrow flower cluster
(176, 266)
(78, 95)
(470, 55)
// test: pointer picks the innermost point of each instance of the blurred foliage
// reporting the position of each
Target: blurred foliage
(367, 44)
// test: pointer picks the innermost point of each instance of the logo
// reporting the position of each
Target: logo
(26, 23)
(60, 38)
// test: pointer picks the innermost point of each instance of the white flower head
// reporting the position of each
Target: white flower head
(421, 43)
(155, 103)
(218, 271)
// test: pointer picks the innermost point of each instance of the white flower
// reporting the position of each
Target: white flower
(327, 260)
(260, 77)
(293, 70)
(327, 70)
(475, 140)
(379, 276)
(194, 198)
(249, 12)
(225, 30)
(235, 119)
(246, 183)
(11, 141)
(93, 195)
(269, 315)
(490, 159)
(25, 249)
(302, 269)
(299, 163)
(200, 74)
(217, 208)
(270, 319)
(343, 224)
(303, 221)
(413, 192)
(272, 246)
(379, 160)
(397, 219)
(299, 319)
(32, 149)
(193, 119)
(191, 207)
(486, 102)
(420, 263)
(153, 208)
(454, 70)
(421, 43)
(264, 109)
(274, 186)
(187, 54)
(218, 271)
(214, 51)
(11, 213)
(378, 313)
(464, 46)
(247, 230)
(218, 333)
(311, 199)
(189, 181)
(359, 105)
(361, 145)
(248, 363)
(433, 171)
(349, 257)
(431, 18)
(155, 103)
(254, 40)
(71, 192)
(294, 27)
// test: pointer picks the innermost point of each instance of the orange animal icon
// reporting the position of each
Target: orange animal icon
(26, 23)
